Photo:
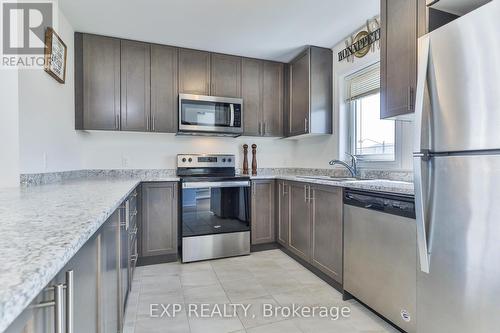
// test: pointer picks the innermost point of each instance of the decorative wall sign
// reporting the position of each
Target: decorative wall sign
(55, 55)
(363, 42)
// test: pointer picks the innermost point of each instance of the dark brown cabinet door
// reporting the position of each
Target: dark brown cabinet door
(300, 222)
(164, 90)
(262, 224)
(272, 99)
(226, 76)
(299, 95)
(398, 57)
(135, 86)
(97, 82)
(283, 213)
(159, 219)
(194, 72)
(251, 84)
(326, 217)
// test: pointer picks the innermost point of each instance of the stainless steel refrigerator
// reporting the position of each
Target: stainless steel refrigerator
(457, 175)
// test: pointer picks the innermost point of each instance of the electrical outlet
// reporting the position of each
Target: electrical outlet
(125, 161)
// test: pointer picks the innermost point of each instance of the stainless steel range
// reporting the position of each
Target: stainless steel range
(215, 208)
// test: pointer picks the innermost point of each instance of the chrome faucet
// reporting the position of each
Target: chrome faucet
(353, 168)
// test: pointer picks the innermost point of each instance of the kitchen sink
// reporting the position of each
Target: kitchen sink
(331, 178)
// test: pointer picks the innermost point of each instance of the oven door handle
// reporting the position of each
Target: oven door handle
(216, 184)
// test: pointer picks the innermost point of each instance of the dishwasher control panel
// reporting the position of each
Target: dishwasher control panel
(387, 203)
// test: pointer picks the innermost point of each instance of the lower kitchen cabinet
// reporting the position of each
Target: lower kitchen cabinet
(326, 217)
(91, 279)
(109, 277)
(283, 215)
(300, 222)
(159, 219)
(262, 217)
(309, 222)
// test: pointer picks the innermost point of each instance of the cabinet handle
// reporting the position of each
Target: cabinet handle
(305, 125)
(70, 302)
(117, 121)
(59, 304)
(305, 193)
(260, 128)
(153, 117)
(147, 123)
(409, 98)
(263, 128)
(311, 194)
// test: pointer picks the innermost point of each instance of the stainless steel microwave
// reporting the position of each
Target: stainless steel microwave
(210, 115)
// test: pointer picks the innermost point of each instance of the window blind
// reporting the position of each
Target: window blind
(364, 82)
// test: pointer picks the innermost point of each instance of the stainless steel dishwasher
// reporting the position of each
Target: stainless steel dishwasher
(380, 254)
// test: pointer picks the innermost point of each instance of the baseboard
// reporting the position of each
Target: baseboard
(154, 260)
(264, 247)
(314, 270)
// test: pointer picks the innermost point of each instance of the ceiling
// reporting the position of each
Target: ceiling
(459, 7)
(267, 29)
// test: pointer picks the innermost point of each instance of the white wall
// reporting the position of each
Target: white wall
(48, 141)
(9, 128)
(108, 150)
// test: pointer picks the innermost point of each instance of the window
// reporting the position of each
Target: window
(371, 138)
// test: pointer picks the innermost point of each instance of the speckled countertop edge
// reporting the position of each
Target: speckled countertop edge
(374, 185)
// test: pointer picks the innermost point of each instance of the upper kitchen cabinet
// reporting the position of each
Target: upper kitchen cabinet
(164, 89)
(135, 86)
(225, 75)
(310, 93)
(194, 72)
(272, 99)
(262, 92)
(97, 82)
(398, 57)
(251, 84)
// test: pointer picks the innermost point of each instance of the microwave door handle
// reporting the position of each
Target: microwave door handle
(231, 122)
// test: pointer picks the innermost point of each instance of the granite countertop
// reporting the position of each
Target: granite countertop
(42, 228)
(377, 185)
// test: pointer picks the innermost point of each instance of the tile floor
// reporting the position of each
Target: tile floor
(269, 277)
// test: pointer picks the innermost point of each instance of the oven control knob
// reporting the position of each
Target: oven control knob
(229, 160)
(223, 160)
(190, 160)
(184, 160)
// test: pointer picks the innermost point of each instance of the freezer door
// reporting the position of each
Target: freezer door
(461, 291)
(462, 83)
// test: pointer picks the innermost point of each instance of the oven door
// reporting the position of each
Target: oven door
(199, 113)
(210, 208)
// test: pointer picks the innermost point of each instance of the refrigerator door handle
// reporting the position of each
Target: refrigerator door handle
(423, 62)
(421, 155)
(420, 212)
